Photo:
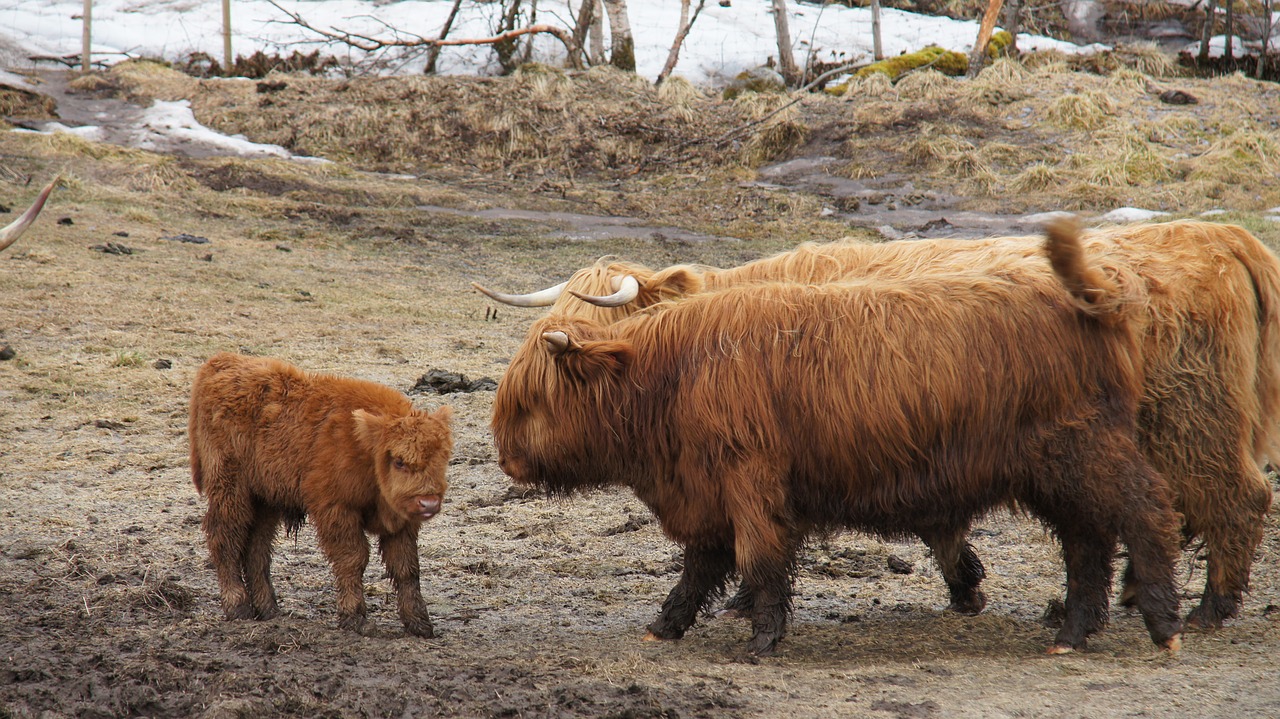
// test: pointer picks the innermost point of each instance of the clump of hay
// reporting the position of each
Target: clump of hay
(874, 85)
(778, 134)
(1046, 62)
(1148, 58)
(681, 97)
(1128, 80)
(1126, 159)
(927, 85)
(1081, 111)
(143, 81)
(543, 81)
(1037, 177)
(1238, 158)
(17, 102)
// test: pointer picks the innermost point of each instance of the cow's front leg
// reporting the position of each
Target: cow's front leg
(342, 538)
(400, 554)
(705, 572)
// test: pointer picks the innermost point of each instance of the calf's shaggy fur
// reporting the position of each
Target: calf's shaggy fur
(271, 443)
(750, 417)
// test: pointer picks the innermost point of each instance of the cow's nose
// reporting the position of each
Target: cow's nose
(430, 505)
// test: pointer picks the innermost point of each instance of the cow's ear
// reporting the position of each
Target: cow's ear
(444, 414)
(675, 281)
(368, 428)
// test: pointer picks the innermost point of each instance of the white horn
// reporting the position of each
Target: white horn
(10, 234)
(541, 298)
(628, 288)
(557, 342)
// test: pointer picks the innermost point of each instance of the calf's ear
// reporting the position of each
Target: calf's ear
(368, 428)
(444, 414)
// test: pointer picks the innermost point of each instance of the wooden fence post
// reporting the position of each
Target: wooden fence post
(85, 35)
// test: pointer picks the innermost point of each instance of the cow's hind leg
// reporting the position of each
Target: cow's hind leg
(1087, 553)
(704, 575)
(1232, 527)
(400, 554)
(960, 567)
(228, 523)
(257, 562)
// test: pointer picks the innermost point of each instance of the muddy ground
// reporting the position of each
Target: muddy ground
(109, 608)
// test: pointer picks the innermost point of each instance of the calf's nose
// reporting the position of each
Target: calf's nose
(429, 505)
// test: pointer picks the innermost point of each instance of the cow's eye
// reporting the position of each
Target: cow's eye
(397, 463)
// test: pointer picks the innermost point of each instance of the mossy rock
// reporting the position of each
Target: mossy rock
(761, 79)
(999, 44)
(947, 62)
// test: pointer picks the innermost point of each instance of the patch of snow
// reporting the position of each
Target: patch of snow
(1213, 213)
(1042, 218)
(1131, 214)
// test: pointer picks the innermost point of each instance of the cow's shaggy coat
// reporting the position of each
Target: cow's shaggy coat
(750, 417)
(1210, 407)
(270, 442)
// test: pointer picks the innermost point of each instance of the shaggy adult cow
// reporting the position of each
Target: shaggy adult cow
(14, 230)
(748, 418)
(270, 442)
(1210, 407)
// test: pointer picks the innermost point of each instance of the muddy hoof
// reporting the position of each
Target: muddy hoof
(969, 607)
(1173, 644)
(651, 637)
(733, 613)
(1060, 649)
(240, 612)
(1210, 614)
(420, 629)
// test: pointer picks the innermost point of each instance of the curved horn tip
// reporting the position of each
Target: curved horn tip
(557, 341)
(14, 230)
(628, 288)
(541, 298)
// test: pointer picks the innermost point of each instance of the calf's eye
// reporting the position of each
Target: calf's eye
(397, 463)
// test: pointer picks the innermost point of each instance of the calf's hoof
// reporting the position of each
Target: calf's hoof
(651, 637)
(355, 623)
(733, 613)
(1173, 644)
(239, 612)
(1057, 649)
(264, 613)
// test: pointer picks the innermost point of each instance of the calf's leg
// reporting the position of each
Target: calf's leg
(228, 523)
(960, 567)
(341, 536)
(257, 562)
(400, 555)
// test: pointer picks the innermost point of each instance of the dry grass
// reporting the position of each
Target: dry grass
(1087, 111)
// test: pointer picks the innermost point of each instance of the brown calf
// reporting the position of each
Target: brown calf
(270, 442)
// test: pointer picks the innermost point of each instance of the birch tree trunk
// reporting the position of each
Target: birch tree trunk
(1013, 24)
(786, 60)
(433, 53)
(228, 60)
(1207, 31)
(875, 30)
(596, 53)
(686, 23)
(623, 51)
(1266, 39)
(86, 33)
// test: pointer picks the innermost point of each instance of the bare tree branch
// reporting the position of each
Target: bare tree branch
(373, 44)
(686, 23)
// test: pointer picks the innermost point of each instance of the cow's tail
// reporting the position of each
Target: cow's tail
(1094, 291)
(1264, 272)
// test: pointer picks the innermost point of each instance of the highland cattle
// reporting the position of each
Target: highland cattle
(1210, 407)
(749, 418)
(271, 443)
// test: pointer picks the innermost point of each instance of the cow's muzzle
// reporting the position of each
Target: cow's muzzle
(428, 506)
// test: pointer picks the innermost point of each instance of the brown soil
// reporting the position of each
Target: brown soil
(108, 607)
